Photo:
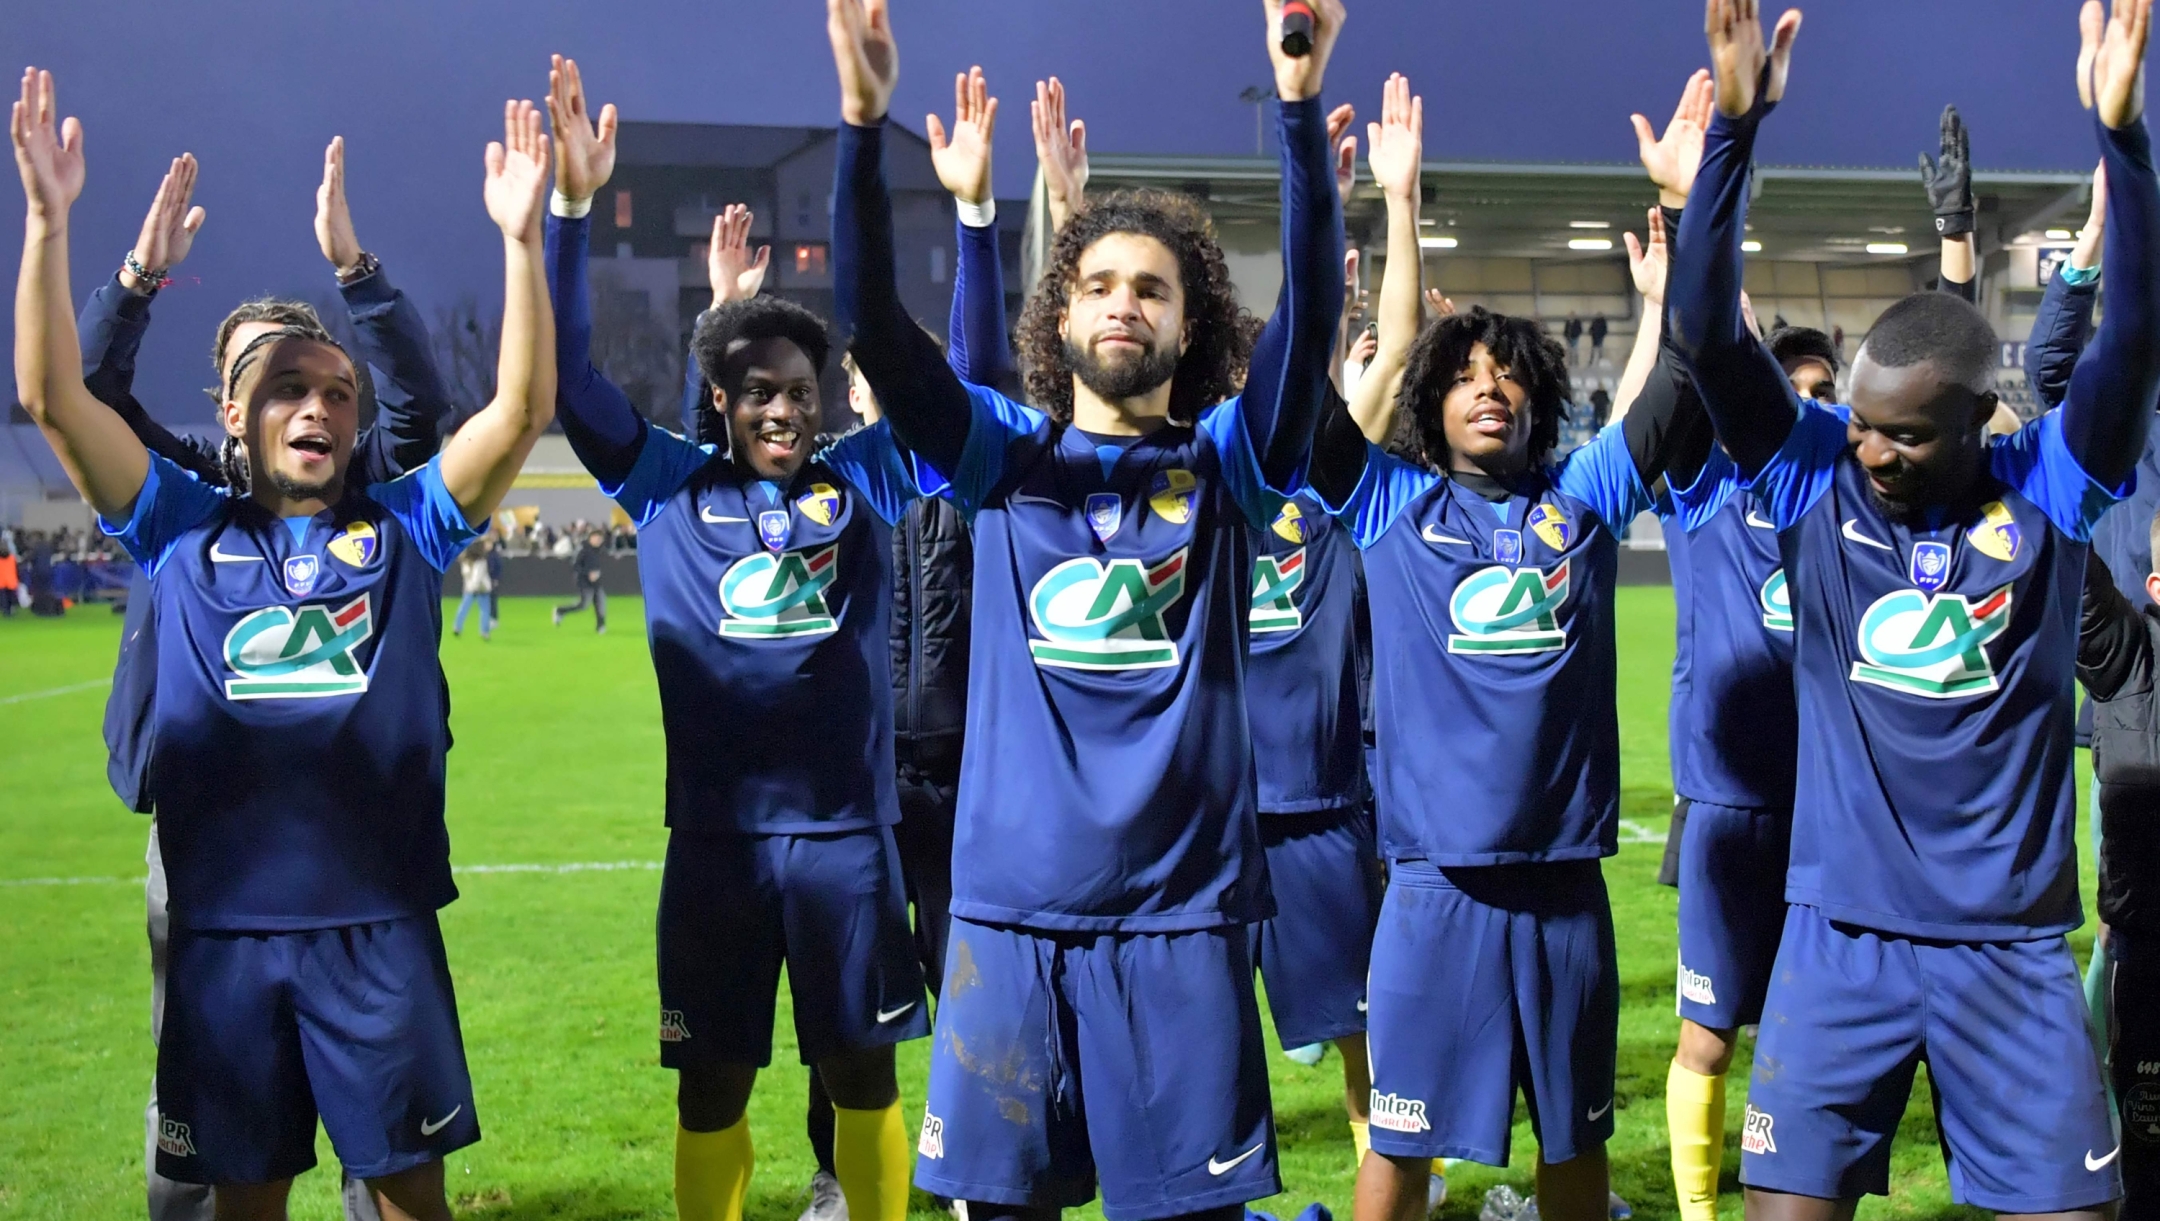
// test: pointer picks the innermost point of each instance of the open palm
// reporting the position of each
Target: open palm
(1672, 159)
(962, 156)
(866, 55)
(168, 231)
(517, 171)
(2117, 56)
(584, 150)
(1398, 139)
(48, 152)
(734, 274)
(1060, 147)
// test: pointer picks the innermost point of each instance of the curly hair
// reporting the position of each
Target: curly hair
(1443, 350)
(761, 317)
(1213, 366)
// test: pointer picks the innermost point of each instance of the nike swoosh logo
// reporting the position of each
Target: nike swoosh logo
(1361, 1004)
(226, 557)
(2093, 1163)
(1432, 535)
(1756, 520)
(705, 513)
(887, 1015)
(1852, 532)
(1598, 1114)
(1221, 1168)
(430, 1129)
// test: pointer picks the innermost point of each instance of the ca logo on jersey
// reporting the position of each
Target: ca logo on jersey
(1097, 616)
(1275, 582)
(1776, 603)
(298, 653)
(1931, 645)
(1509, 610)
(772, 595)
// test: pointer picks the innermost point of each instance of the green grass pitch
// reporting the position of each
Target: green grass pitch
(559, 761)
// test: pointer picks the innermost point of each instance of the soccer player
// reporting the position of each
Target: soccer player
(408, 392)
(1932, 575)
(767, 577)
(1098, 1022)
(307, 972)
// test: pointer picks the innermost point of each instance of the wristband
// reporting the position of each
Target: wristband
(1954, 224)
(974, 215)
(567, 208)
(363, 267)
(2079, 277)
(147, 280)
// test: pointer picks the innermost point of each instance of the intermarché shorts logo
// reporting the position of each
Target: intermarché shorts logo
(297, 653)
(1097, 616)
(770, 596)
(1398, 1114)
(1755, 1132)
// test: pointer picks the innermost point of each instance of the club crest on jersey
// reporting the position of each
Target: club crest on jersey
(1509, 610)
(820, 504)
(357, 546)
(770, 596)
(1275, 582)
(1507, 546)
(1097, 616)
(1547, 523)
(1931, 644)
(298, 653)
(1105, 513)
(1930, 565)
(1172, 495)
(774, 528)
(1776, 603)
(300, 574)
(1997, 536)
(1290, 525)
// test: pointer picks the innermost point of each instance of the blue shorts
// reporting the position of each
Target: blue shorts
(1732, 909)
(734, 907)
(266, 1031)
(1064, 1059)
(1484, 980)
(1325, 870)
(2002, 1027)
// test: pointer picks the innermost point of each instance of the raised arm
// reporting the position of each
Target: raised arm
(1396, 152)
(735, 274)
(2063, 324)
(1948, 179)
(2110, 404)
(1672, 161)
(1060, 152)
(2113, 645)
(604, 430)
(1750, 402)
(485, 456)
(104, 460)
(976, 345)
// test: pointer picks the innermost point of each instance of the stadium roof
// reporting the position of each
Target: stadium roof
(1806, 213)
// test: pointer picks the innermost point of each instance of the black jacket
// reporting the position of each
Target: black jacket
(2117, 644)
(933, 597)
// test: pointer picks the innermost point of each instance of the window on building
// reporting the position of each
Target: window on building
(622, 209)
(810, 259)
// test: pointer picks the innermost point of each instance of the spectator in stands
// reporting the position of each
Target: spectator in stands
(1600, 409)
(473, 570)
(1572, 332)
(589, 565)
(9, 583)
(43, 601)
(1598, 329)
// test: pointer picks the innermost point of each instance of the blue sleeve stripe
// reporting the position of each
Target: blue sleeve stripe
(1602, 475)
(874, 465)
(1241, 473)
(171, 502)
(2036, 460)
(432, 517)
(1388, 486)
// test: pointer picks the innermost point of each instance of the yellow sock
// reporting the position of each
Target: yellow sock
(1695, 1120)
(1360, 1142)
(712, 1172)
(872, 1160)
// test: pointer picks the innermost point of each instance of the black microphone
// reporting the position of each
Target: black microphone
(1297, 28)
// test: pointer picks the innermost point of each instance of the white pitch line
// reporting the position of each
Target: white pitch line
(67, 690)
(570, 867)
(1636, 833)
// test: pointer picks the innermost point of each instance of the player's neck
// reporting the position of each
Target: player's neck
(1133, 417)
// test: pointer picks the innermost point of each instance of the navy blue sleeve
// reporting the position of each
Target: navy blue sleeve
(1384, 489)
(2110, 404)
(1751, 404)
(926, 401)
(171, 503)
(693, 394)
(664, 463)
(604, 430)
(110, 330)
(877, 469)
(1288, 375)
(976, 345)
(2060, 330)
(1603, 474)
(411, 400)
(2036, 460)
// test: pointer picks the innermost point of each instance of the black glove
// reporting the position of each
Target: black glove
(1949, 179)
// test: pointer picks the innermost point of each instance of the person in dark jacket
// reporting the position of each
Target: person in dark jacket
(410, 402)
(589, 567)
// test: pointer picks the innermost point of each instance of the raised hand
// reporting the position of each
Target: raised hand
(1298, 77)
(1061, 150)
(517, 173)
(1948, 177)
(47, 151)
(1737, 53)
(1647, 262)
(1345, 146)
(333, 217)
(584, 151)
(866, 56)
(1673, 158)
(735, 275)
(1398, 139)
(2114, 54)
(1438, 303)
(962, 159)
(1363, 347)
(168, 231)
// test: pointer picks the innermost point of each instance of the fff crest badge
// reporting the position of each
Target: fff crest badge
(774, 528)
(1930, 565)
(1507, 546)
(357, 545)
(1105, 513)
(300, 574)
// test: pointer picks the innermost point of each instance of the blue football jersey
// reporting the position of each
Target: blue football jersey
(1678, 564)
(1742, 726)
(1934, 672)
(1302, 673)
(1493, 662)
(301, 717)
(1108, 776)
(768, 613)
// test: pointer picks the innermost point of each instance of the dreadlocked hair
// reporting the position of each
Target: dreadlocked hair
(1213, 366)
(283, 311)
(1442, 350)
